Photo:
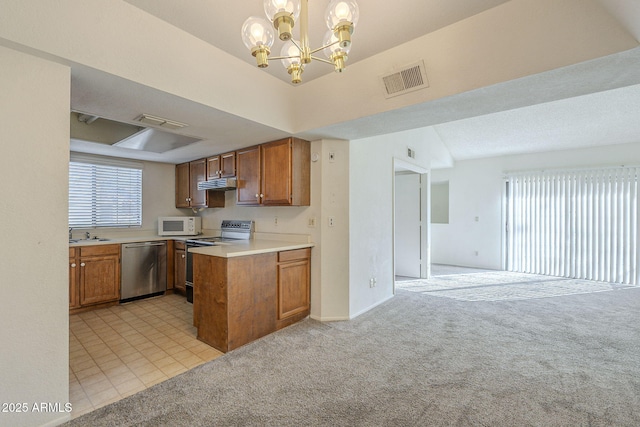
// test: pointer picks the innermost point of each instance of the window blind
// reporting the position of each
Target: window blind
(104, 194)
(577, 224)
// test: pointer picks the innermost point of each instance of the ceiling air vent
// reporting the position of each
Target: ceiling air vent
(408, 79)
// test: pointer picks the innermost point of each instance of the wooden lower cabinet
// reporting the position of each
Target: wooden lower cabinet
(94, 276)
(294, 273)
(74, 268)
(180, 267)
(240, 299)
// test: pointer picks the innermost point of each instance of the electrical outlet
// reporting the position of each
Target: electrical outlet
(372, 282)
(275, 221)
(331, 221)
(312, 222)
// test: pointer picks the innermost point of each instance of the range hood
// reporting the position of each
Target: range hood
(222, 184)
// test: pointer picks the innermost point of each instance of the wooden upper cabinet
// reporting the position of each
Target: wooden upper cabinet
(187, 194)
(213, 167)
(197, 173)
(248, 176)
(183, 192)
(228, 163)
(274, 174)
(221, 166)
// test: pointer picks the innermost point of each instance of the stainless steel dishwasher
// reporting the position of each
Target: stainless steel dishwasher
(144, 270)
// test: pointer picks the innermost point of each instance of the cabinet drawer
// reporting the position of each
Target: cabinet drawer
(294, 254)
(72, 252)
(100, 250)
(179, 245)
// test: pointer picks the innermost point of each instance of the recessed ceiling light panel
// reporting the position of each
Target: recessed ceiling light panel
(160, 122)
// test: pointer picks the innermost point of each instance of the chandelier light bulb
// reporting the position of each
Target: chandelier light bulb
(342, 17)
(257, 32)
(258, 37)
(292, 61)
(336, 53)
(291, 53)
(273, 7)
(341, 12)
(283, 14)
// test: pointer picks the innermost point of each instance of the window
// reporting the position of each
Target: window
(580, 223)
(104, 193)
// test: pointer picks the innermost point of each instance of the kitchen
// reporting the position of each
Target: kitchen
(171, 234)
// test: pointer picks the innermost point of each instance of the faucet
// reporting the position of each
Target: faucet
(70, 235)
(87, 235)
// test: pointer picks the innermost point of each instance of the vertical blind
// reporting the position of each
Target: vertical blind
(103, 194)
(578, 224)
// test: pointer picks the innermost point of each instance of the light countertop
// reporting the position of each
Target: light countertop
(249, 247)
(261, 243)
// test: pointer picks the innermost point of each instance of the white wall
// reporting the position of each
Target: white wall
(371, 174)
(476, 190)
(34, 311)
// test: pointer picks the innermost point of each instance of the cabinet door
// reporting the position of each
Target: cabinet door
(74, 300)
(180, 276)
(197, 173)
(213, 167)
(228, 165)
(248, 176)
(182, 186)
(276, 172)
(99, 279)
(293, 288)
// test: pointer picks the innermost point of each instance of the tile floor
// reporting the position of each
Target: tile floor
(118, 351)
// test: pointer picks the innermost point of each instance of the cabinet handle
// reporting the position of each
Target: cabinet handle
(82, 264)
(73, 265)
(261, 195)
(183, 256)
(257, 195)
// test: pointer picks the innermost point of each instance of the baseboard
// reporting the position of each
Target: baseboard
(328, 319)
(63, 419)
(371, 307)
(336, 319)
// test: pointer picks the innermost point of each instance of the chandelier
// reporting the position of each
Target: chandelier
(258, 34)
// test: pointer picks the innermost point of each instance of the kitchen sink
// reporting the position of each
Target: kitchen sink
(89, 240)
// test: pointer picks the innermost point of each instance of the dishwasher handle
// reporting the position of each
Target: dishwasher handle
(144, 245)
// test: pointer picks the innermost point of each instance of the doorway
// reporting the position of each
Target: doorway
(410, 221)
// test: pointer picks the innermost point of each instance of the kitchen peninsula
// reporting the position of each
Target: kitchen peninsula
(246, 290)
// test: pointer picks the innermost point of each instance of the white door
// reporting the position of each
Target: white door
(407, 225)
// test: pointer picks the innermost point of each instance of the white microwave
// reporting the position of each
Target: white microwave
(179, 225)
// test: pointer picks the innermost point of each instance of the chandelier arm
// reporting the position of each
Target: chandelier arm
(322, 60)
(282, 57)
(324, 47)
(296, 44)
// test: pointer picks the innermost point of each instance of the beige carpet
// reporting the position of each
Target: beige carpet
(419, 360)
